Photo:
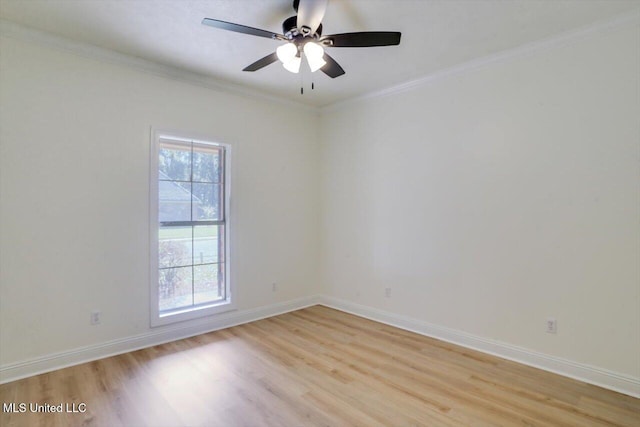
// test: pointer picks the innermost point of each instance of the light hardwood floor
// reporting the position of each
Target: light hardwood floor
(315, 366)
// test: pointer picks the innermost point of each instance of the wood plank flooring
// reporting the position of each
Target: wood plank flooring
(314, 367)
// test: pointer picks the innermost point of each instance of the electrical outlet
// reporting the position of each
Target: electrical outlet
(96, 317)
(552, 325)
(387, 292)
(274, 287)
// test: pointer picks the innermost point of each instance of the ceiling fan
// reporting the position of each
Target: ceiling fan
(302, 35)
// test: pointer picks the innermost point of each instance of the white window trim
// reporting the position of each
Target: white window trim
(191, 313)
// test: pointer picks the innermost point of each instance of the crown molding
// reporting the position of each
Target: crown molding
(558, 40)
(20, 32)
(17, 31)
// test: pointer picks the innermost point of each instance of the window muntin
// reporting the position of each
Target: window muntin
(191, 265)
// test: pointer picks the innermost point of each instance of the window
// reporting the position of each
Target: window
(189, 228)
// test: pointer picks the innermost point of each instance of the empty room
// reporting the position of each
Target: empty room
(320, 213)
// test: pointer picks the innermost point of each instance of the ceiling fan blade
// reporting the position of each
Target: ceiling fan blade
(331, 68)
(363, 39)
(310, 13)
(229, 26)
(261, 63)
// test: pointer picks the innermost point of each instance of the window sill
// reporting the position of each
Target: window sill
(191, 313)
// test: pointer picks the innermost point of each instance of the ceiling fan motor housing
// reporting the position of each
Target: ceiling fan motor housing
(290, 28)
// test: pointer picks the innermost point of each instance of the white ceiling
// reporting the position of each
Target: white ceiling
(436, 35)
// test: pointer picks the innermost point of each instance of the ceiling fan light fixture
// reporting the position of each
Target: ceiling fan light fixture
(293, 65)
(314, 53)
(287, 52)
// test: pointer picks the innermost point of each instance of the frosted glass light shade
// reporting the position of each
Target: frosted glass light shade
(293, 65)
(314, 53)
(286, 52)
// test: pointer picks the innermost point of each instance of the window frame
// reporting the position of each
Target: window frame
(189, 313)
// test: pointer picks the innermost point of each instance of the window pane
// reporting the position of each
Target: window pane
(174, 163)
(175, 288)
(191, 229)
(206, 165)
(206, 202)
(208, 244)
(174, 201)
(174, 247)
(208, 283)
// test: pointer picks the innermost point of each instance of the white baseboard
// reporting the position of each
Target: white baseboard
(51, 362)
(588, 374)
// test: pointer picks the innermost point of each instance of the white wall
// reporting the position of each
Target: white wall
(492, 199)
(74, 167)
(487, 200)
